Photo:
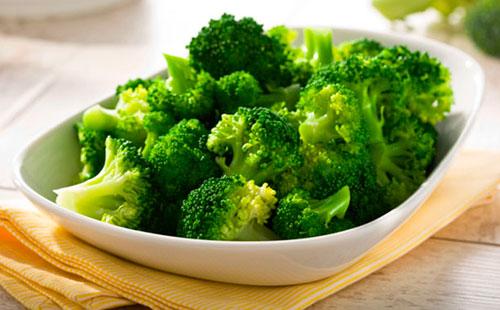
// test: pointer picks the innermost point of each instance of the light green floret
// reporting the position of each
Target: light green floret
(125, 120)
(228, 208)
(120, 194)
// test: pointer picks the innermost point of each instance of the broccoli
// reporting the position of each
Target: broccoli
(363, 47)
(132, 84)
(319, 46)
(125, 120)
(482, 24)
(402, 146)
(255, 143)
(156, 124)
(241, 89)
(297, 64)
(187, 93)
(92, 152)
(228, 45)
(180, 159)
(300, 216)
(228, 208)
(427, 89)
(120, 194)
(331, 114)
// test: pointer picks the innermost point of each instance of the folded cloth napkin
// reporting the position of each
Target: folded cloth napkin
(43, 266)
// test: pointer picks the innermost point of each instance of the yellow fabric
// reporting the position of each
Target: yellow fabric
(41, 263)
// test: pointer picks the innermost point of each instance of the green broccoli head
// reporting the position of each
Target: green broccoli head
(241, 89)
(404, 160)
(180, 159)
(188, 94)
(156, 125)
(238, 89)
(120, 194)
(125, 120)
(228, 45)
(300, 216)
(297, 65)
(133, 84)
(363, 47)
(92, 151)
(482, 24)
(255, 143)
(227, 208)
(331, 114)
(319, 47)
(427, 90)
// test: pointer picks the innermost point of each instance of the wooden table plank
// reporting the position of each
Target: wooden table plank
(8, 302)
(439, 274)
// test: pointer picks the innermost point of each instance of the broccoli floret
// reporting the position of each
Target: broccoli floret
(255, 143)
(228, 45)
(92, 151)
(156, 124)
(189, 94)
(427, 89)
(363, 47)
(180, 159)
(300, 216)
(125, 120)
(482, 24)
(381, 90)
(120, 194)
(403, 161)
(132, 84)
(228, 208)
(297, 65)
(331, 114)
(241, 89)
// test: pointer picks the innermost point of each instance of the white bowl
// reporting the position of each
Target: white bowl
(51, 161)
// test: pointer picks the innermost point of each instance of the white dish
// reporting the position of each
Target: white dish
(51, 161)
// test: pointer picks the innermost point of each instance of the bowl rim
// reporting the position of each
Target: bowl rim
(47, 204)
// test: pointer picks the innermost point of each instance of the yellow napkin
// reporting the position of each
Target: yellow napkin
(45, 267)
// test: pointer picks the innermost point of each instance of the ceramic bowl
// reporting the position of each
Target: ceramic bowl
(52, 161)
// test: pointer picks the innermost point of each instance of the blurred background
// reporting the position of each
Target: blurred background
(57, 57)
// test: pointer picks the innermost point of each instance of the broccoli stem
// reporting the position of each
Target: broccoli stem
(256, 232)
(180, 74)
(99, 118)
(319, 42)
(290, 95)
(95, 200)
(334, 205)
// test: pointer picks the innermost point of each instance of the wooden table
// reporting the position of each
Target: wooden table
(52, 69)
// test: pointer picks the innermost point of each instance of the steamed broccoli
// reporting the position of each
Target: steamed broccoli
(299, 216)
(241, 89)
(319, 47)
(187, 93)
(227, 208)
(228, 45)
(363, 47)
(255, 143)
(156, 125)
(381, 85)
(427, 89)
(92, 151)
(180, 159)
(120, 194)
(125, 120)
(331, 114)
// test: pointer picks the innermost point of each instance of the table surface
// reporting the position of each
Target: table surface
(50, 69)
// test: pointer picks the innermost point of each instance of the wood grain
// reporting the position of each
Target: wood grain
(440, 274)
